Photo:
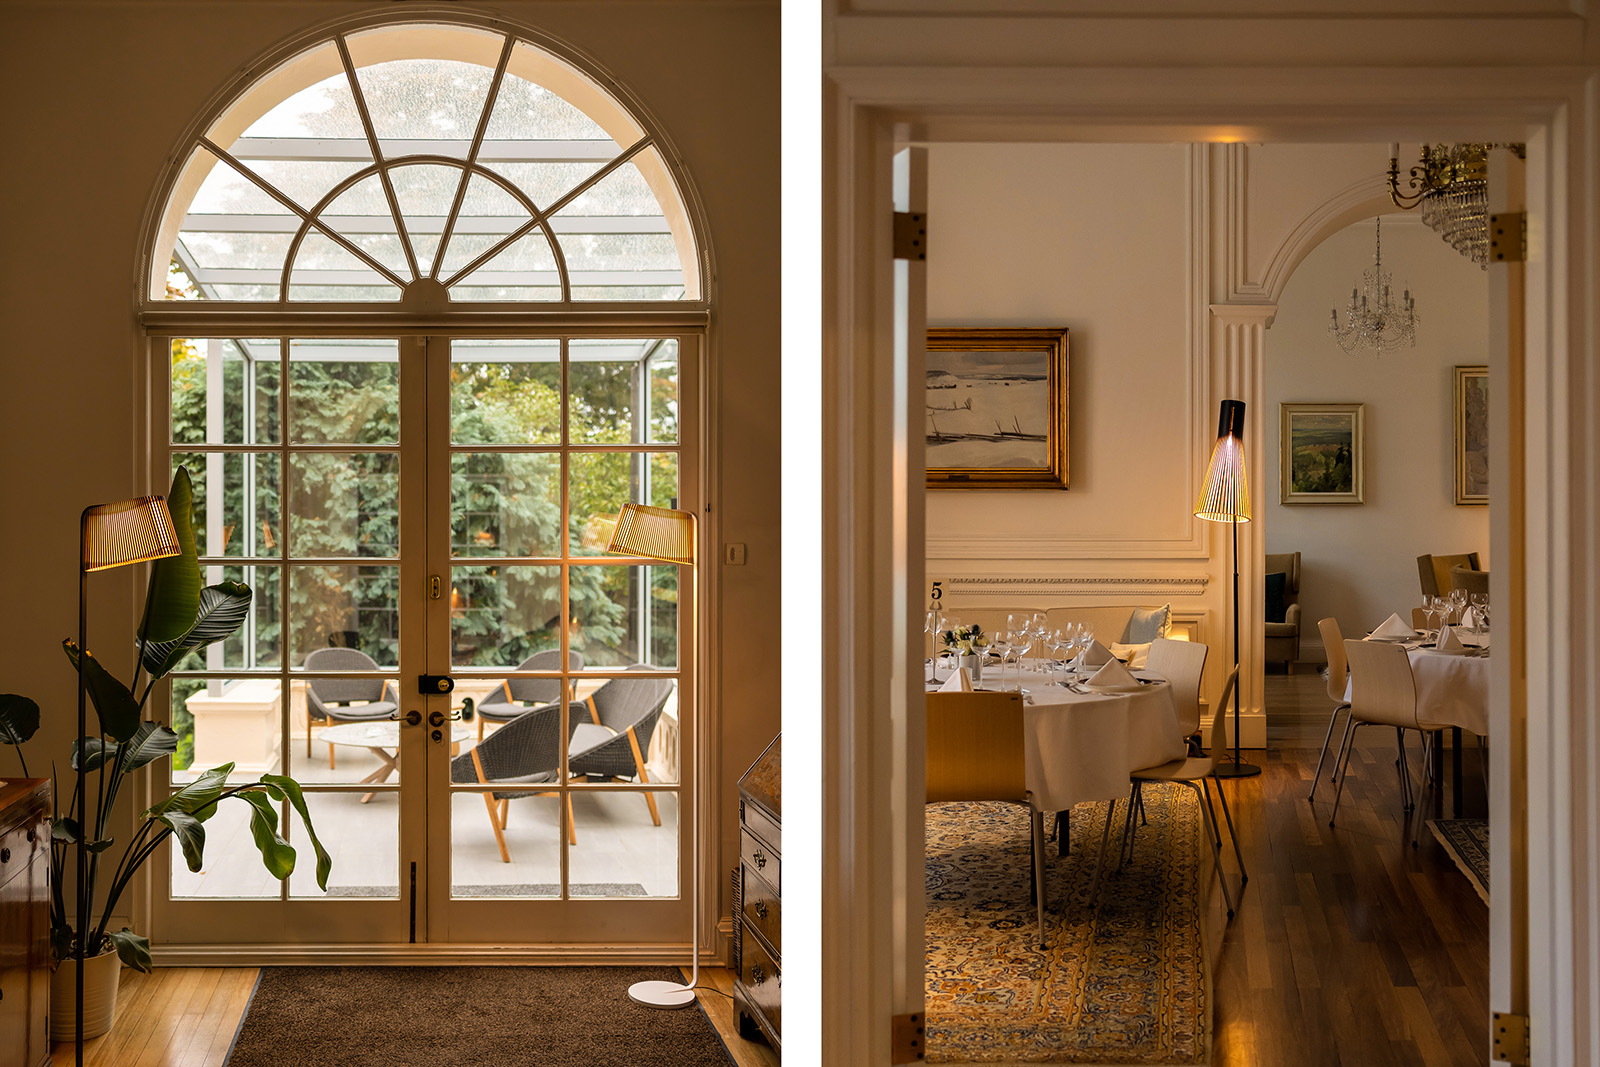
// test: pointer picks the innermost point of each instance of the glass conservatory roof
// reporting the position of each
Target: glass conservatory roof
(384, 171)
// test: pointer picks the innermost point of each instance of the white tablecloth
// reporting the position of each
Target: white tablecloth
(1451, 690)
(1081, 747)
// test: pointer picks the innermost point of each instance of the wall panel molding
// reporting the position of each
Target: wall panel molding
(1187, 585)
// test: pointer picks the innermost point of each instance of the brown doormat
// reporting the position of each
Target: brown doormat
(467, 1016)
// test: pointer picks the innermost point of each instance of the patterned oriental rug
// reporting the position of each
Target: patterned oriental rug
(1126, 983)
(1467, 842)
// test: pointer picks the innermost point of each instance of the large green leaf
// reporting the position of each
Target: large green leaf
(96, 751)
(276, 853)
(149, 743)
(19, 718)
(199, 797)
(282, 786)
(223, 608)
(118, 710)
(173, 599)
(132, 949)
(190, 833)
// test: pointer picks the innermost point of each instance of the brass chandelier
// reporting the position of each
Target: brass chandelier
(1452, 184)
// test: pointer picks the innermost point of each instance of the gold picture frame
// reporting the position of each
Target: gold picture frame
(1472, 435)
(1015, 378)
(1322, 453)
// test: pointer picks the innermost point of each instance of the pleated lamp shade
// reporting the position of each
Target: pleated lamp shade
(128, 531)
(1225, 493)
(655, 533)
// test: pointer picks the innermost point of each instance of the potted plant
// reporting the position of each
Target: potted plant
(128, 742)
(967, 644)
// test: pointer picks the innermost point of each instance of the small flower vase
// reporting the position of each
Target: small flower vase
(974, 666)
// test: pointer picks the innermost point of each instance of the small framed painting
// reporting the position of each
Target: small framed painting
(1321, 453)
(997, 408)
(1472, 435)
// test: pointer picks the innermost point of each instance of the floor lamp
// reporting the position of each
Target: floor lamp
(1225, 497)
(668, 535)
(109, 535)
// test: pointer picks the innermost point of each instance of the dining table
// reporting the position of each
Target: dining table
(1452, 691)
(1080, 746)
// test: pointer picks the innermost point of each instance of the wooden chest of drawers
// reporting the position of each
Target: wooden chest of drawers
(24, 921)
(758, 929)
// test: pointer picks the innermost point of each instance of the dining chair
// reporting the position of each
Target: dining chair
(524, 753)
(514, 696)
(1181, 663)
(1473, 581)
(1338, 680)
(1195, 773)
(334, 700)
(1383, 692)
(1433, 572)
(975, 752)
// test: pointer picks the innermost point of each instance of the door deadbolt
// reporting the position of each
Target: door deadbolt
(429, 684)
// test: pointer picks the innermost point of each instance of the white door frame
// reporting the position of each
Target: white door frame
(1553, 109)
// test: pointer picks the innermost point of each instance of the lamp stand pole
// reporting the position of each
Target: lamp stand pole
(82, 884)
(1238, 768)
(657, 994)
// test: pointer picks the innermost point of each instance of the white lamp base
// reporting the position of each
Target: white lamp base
(661, 994)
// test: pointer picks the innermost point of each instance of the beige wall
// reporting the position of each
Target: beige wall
(100, 93)
(1358, 562)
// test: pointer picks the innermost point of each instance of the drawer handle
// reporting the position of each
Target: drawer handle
(760, 858)
(761, 909)
(757, 975)
(5, 855)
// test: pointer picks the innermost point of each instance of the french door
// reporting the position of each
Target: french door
(491, 717)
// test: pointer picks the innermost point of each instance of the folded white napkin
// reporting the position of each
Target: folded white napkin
(1097, 654)
(1113, 673)
(959, 682)
(1393, 627)
(1448, 641)
(1469, 617)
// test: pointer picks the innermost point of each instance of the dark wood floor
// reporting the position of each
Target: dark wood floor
(1350, 947)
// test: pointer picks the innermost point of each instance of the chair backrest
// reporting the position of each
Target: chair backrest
(1288, 564)
(974, 749)
(1434, 571)
(628, 702)
(1382, 689)
(1338, 665)
(1181, 663)
(529, 744)
(1219, 718)
(541, 690)
(343, 690)
(1471, 581)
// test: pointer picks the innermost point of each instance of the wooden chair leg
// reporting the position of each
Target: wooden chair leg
(330, 756)
(572, 825)
(638, 763)
(499, 831)
(505, 813)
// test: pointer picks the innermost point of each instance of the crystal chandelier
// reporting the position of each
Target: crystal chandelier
(1452, 185)
(1374, 319)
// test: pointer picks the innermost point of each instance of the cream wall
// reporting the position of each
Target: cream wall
(1358, 562)
(100, 94)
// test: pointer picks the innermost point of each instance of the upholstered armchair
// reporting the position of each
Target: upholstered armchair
(1434, 571)
(1283, 631)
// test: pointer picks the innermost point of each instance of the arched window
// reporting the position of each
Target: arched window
(426, 163)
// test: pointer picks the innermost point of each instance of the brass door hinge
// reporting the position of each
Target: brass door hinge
(1508, 237)
(1510, 1038)
(910, 235)
(906, 1036)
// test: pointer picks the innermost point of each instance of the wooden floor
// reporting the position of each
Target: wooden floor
(1349, 946)
(186, 1017)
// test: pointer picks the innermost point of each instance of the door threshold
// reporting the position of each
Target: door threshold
(408, 955)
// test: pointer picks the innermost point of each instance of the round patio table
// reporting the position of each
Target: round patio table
(382, 739)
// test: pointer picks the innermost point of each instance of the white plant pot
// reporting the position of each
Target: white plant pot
(974, 666)
(100, 976)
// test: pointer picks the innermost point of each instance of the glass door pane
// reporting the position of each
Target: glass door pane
(563, 792)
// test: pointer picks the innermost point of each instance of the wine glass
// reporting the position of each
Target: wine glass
(1430, 607)
(1458, 603)
(1479, 602)
(948, 625)
(1022, 641)
(1053, 640)
(1000, 645)
(991, 641)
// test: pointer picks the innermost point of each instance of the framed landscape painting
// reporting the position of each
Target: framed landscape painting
(997, 408)
(1472, 435)
(1321, 459)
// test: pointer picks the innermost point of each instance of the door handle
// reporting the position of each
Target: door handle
(411, 718)
(436, 718)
